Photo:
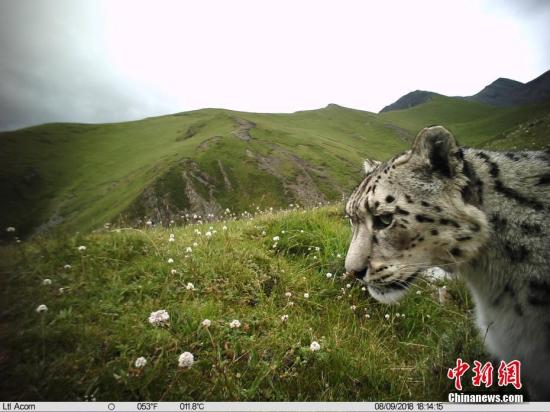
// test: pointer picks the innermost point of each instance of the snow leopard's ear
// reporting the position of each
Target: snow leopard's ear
(369, 165)
(439, 149)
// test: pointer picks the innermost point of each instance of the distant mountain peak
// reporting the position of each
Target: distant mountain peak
(410, 100)
(502, 92)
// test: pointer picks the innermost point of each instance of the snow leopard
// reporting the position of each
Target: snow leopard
(484, 215)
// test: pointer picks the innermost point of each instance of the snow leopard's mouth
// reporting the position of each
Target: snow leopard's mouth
(393, 291)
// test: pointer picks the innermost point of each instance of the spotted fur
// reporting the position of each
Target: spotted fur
(484, 215)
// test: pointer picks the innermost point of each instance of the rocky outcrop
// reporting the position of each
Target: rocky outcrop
(243, 128)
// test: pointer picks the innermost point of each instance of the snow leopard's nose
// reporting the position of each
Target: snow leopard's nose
(360, 275)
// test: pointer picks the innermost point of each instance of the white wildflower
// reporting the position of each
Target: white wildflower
(158, 318)
(402, 315)
(170, 260)
(188, 249)
(367, 316)
(314, 347)
(235, 324)
(418, 292)
(364, 289)
(338, 255)
(353, 307)
(82, 248)
(317, 248)
(288, 294)
(173, 271)
(263, 233)
(276, 238)
(208, 234)
(275, 245)
(190, 286)
(387, 316)
(348, 285)
(224, 228)
(195, 244)
(284, 318)
(47, 282)
(67, 267)
(10, 229)
(42, 308)
(315, 257)
(290, 303)
(206, 323)
(329, 275)
(186, 360)
(140, 362)
(149, 223)
(306, 295)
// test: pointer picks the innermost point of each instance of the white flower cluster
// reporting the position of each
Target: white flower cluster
(314, 347)
(186, 360)
(159, 318)
(41, 308)
(235, 324)
(140, 362)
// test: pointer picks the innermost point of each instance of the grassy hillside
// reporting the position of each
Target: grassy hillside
(474, 124)
(96, 326)
(75, 177)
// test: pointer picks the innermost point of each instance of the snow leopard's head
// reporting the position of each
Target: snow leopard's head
(417, 210)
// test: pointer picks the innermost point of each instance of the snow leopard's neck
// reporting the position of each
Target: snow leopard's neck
(513, 190)
(510, 280)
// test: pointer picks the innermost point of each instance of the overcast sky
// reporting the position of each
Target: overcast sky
(102, 61)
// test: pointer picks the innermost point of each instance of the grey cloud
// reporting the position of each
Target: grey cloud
(53, 68)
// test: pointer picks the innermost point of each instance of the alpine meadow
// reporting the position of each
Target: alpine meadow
(232, 224)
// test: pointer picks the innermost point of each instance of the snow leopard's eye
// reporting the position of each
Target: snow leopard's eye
(382, 221)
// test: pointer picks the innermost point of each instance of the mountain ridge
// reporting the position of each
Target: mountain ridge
(502, 92)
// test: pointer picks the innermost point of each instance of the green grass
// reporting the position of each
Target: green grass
(87, 342)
